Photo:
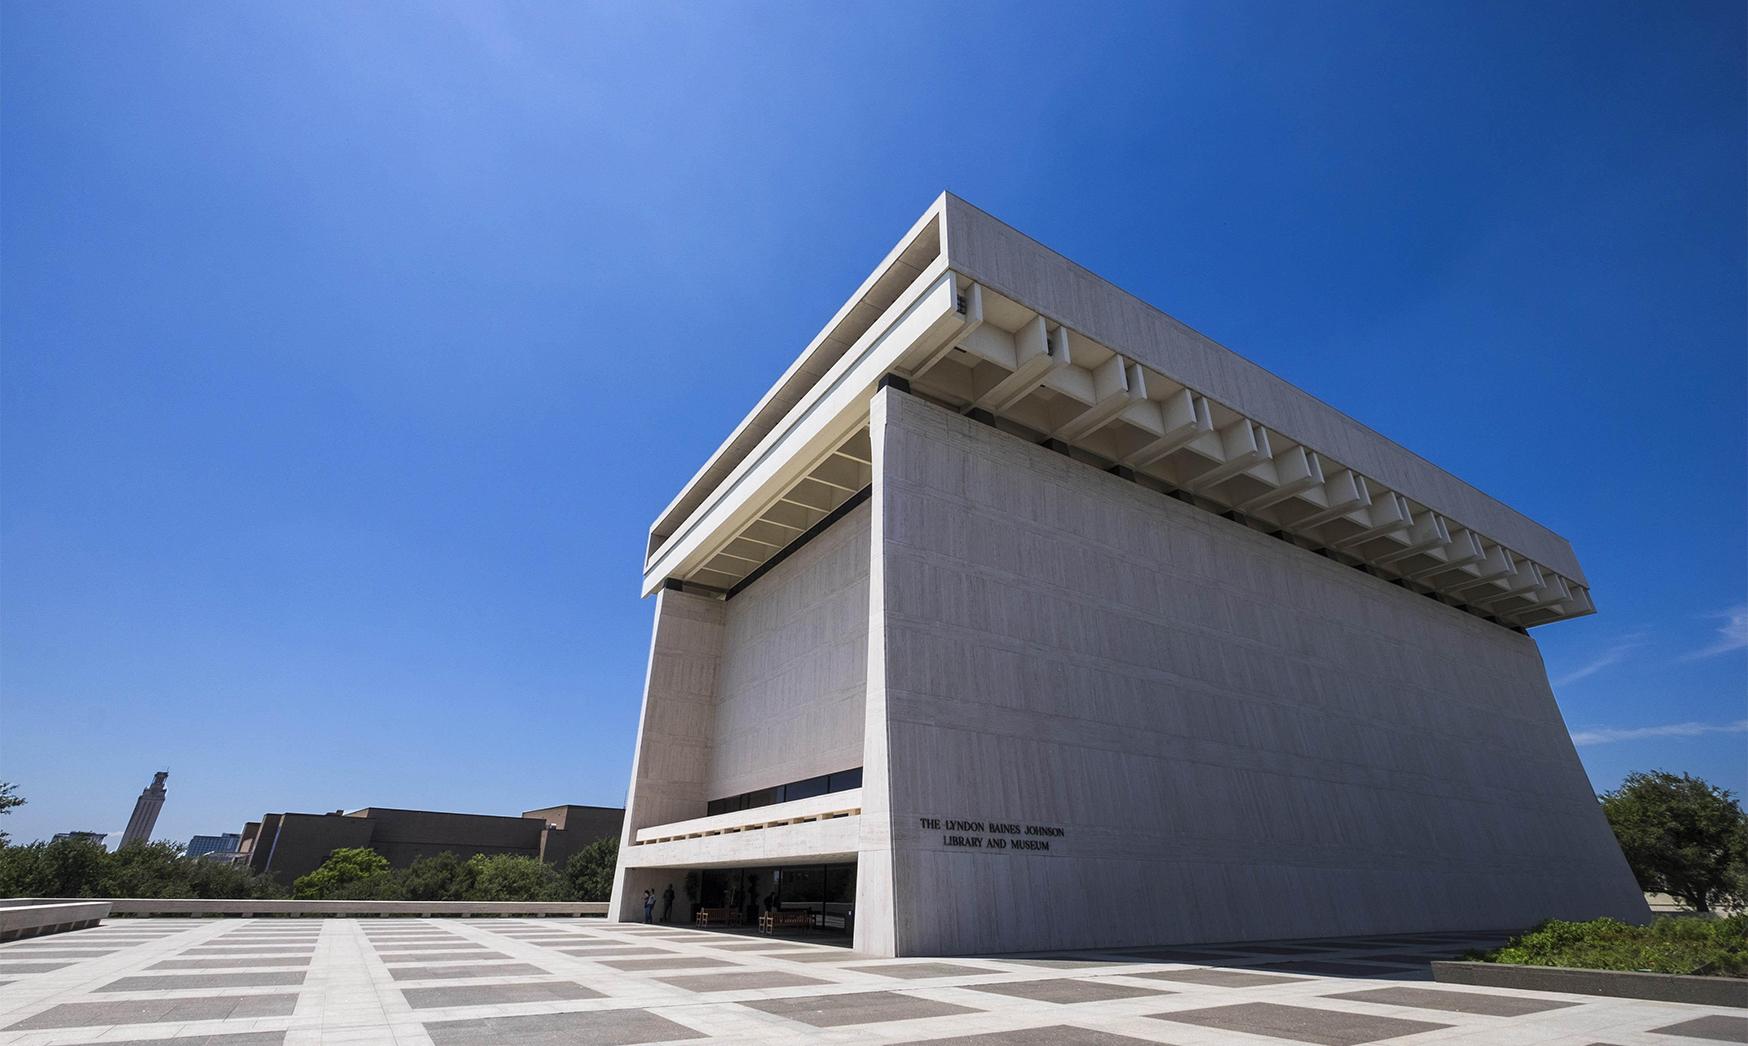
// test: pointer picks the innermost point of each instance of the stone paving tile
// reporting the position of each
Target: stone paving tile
(1328, 968)
(185, 981)
(832, 1011)
(1178, 955)
(740, 981)
(674, 962)
(817, 955)
(496, 994)
(598, 1028)
(596, 953)
(1714, 1027)
(261, 949)
(1065, 990)
(58, 953)
(1218, 978)
(245, 1038)
(1056, 964)
(1300, 1023)
(1054, 1035)
(1488, 1003)
(401, 960)
(230, 963)
(457, 945)
(154, 1011)
(13, 968)
(746, 946)
(432, 973)
(919, 970)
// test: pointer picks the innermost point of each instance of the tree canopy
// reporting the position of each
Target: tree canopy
(1683, 837)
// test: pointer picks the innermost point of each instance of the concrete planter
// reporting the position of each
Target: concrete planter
(25, 917)
(1618, 984)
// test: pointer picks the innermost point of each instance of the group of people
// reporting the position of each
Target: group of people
(649, 903)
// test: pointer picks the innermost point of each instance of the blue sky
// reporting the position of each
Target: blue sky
(349, 349)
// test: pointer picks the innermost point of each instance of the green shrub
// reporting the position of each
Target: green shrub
(346, 869)
(81, 868)
(590, 870)
(502, 877)
(1716, 947)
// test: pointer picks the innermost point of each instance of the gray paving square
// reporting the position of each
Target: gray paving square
(747, 946)
(673, 962)
(832, 1011)
(450, 946)
(1300, 1023)
(10, 969)
(817, 955)
(242, 1038)
(432, 973)
(598, 1028)
(185, 981)
(230, 963)
(1488, 1003)
(252, 949)
(915, 971)
(1054, 1035)
(1181, 955)
(740, 981)
(57, 953)
(1218, 978)
(1058, 964)
(1065, 990)
(1714, 1027)
(496, 994)
(615, 950)
(399, 959)
(1331, 968)
(155, 1011)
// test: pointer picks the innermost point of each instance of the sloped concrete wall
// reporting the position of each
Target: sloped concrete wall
(1236, 738)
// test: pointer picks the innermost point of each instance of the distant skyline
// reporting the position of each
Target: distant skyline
(347, 352)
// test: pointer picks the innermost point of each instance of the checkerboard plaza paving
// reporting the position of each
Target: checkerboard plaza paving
(569, 981)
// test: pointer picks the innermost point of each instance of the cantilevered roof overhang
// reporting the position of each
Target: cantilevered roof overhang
(981, 318)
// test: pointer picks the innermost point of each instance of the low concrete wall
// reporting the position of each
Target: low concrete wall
(31, 917)
(1616, 984)
(347, 909)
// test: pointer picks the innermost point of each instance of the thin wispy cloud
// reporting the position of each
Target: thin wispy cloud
(1614, 655)
(1732, 634)
(1605, 735)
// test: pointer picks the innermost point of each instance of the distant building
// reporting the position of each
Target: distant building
(90, 837)
(202, 845)
(146, 807)
(288, 845)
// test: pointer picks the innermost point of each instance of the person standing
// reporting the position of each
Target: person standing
(668, 903)
(649, 906)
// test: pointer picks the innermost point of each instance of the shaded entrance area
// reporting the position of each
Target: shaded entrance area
(815, 900)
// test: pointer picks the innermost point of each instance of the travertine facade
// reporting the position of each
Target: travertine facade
(1129, 641)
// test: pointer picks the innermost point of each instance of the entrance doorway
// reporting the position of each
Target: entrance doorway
(824, 893)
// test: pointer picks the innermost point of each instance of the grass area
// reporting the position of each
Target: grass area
(1672, 944)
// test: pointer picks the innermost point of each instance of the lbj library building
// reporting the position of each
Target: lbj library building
(1018, 616)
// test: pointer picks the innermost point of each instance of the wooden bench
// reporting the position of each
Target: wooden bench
(771, 922)
(717, 917)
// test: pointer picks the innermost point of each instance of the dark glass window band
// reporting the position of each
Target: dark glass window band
(842, 781)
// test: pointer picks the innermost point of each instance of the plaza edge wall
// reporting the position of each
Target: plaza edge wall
(1242, 739)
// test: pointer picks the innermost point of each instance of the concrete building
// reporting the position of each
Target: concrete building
(217, 845)
(1018, 615)
(287, 845)
(145, 815)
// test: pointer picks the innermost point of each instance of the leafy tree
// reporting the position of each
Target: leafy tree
(1682, 837)
(9, 799)
(345, 867)
(444, 877)
(590, 870)
(503, 877)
